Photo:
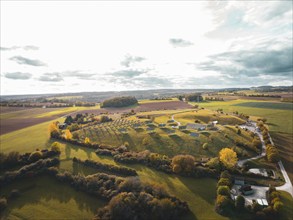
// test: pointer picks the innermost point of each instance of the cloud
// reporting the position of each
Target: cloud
(128, 60)
(251, 63)
(27, 47)
(18, 75)
(127, 73)
(178, 42)
(50, 77)
(79, 74)
(27, 61)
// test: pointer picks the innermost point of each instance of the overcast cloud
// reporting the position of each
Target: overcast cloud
(144, 45)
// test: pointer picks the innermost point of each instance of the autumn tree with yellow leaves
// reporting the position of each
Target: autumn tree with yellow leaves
(228, 157)
(67, 134)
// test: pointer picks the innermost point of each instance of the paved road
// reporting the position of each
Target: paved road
(288, 185)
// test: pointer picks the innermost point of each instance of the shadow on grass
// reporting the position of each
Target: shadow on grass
(44, 189)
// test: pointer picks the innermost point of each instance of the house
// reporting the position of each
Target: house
(62, 126)
(239, 182)
(246, 190)
(196, 126)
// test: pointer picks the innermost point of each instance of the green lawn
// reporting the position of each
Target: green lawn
(46, 198)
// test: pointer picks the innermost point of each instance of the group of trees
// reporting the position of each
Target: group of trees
(224, 203)
(119, 102)
(106, 167)
(271, 151)
(14, 158)
(128, 198)
(29, 170)
(142, 201)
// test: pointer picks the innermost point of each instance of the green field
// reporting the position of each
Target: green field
(268, 105)
(199, 193)
(280, 120)
(62, 201)
(160, 141)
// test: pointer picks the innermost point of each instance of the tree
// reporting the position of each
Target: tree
(182, 163)
(56, 147)
(228, 157)
(240, 202)
(87, 140)
(205, 146)
(69, 120)
(223, 190)
(68, 134)
(35, 156)
(278, 206)
(53, 129)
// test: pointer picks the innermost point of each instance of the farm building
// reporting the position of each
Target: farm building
(196, 126)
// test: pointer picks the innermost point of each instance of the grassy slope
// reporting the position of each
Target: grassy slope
(278, 119)
(63, 202)
(162, 143)
(200, 198)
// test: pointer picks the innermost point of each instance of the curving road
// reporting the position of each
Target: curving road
(288, 185)
(178, 123)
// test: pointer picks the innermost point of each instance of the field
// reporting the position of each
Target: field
(141, 136)
(77, 205)
(279, 120)
(62, 202)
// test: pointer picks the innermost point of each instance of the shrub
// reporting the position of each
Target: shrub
(240, 203)
(87, 140)
(278, 206)
(183, 163)
(223, 204)
(224, 182)
(205, 146)
(223, 190)
(3, 203)
(34, 156)
(56, 147)
(214, 163)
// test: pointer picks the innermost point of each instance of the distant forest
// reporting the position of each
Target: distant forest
(119, 102)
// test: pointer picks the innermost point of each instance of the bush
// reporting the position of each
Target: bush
(3, 203)
(223, 190)
(182, 163)
(224, 182)
(240, 203)
(214, 163)
(205, 146)
(56, 147)
(223, 204)
(278, 206)
(37, 155)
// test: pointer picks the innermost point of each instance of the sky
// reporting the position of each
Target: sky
(79, 46)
